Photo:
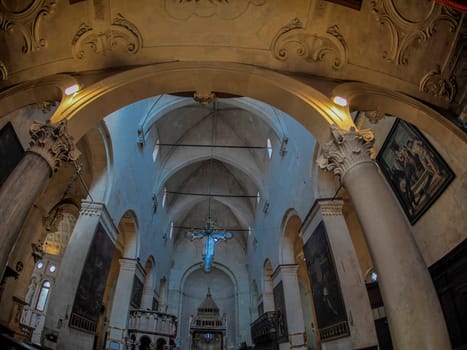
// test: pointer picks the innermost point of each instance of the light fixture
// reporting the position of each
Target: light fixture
(340, 101)
(70, 90)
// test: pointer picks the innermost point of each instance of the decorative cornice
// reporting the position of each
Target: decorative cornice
(435, 84)
(3, 71)
(311, 47)
(53, 143)
(121, 33)
(224, 9)
(405, 33)
(27, 20)
(345, 150)
(331, 207)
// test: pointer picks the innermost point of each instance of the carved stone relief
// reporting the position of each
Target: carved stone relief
(121, 33)
(225, 9)
(53, 143)
(311, 47)
(346, 149)
(434, 83)
(26, 19)
(3, 71)
(408, 27)
(374, 116)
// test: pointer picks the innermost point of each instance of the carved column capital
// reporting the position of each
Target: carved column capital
(53, 143)
(346, 149)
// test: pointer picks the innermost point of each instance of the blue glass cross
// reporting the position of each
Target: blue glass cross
(211, 237)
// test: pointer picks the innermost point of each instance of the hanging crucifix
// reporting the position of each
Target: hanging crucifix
(211, 237)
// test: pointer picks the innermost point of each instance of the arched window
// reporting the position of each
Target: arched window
(155, 151)
(171, 230)
(43, 295)
(164, 197)
(269, 146)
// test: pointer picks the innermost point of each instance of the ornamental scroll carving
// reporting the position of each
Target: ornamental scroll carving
(53, 143)
(407, 28)
(311, 47)
(224, 9)
(26, 18)
(121, 33)
(346, 149)
(434, 83)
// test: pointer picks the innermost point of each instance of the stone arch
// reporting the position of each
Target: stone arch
(149, 283)
(221, 270)
(366, 97)
(290, 226)
(128, 238)
(306, 104)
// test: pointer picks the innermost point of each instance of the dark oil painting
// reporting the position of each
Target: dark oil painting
(11, 151)
(414, 169)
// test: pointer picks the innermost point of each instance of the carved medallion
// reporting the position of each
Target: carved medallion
(409, 24)
(26, 17)
(122, 33)
(311, 47)
(225, 9)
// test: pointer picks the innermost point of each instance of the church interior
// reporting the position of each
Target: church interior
(233, 174)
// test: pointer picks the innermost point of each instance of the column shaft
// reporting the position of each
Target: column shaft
(412, 306)
(17, 196)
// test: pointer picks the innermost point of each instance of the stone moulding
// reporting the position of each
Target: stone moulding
(435, 84)
(27, 20)
(224, 9)
(311, 47)
(3, 71)
(405, 33)
(121, 33)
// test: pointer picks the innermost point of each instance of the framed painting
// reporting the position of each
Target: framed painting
(414, 169)
(327, 295)
(87, 306)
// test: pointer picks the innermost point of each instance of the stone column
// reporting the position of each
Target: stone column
(121, 305)
(293, 306)
(412, 306)
(50, 145)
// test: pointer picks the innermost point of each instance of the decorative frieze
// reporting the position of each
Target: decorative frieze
(224, 9)
(331, 207)
(345, 150)
(122, 33)
(310, 47)
(406, 31)
(26, 18)
(53, 143)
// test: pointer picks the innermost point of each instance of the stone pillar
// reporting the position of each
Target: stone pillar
(50, 145)
(293, 306)
(121, 305)
(412, 306)
(57, 334)
(352, 285)
(147, 297)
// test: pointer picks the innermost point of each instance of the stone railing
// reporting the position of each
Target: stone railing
(152, 322)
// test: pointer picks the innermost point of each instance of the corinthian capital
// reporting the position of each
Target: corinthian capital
(53, 143)
(346, 149)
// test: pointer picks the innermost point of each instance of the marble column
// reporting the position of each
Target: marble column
(412, 306)
(293, 306)
(121, 305)
(49, 146)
